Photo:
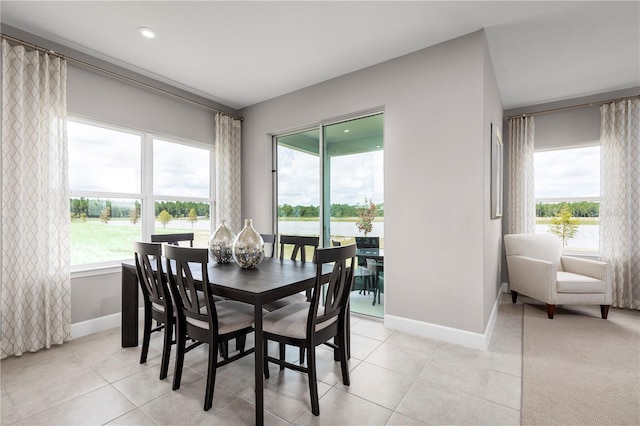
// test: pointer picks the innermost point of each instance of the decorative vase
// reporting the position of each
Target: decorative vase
(248, 247)
(221, 242)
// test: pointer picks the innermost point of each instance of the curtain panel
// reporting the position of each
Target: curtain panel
(36, 285)
(520, 210)
(620, 198)
(228, 171)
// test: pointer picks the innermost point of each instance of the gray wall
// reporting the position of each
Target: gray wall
(441, 262)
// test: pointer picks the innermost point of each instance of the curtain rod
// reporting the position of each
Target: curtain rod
(113, 74)
(548, 111)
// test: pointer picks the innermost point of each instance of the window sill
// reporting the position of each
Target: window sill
(83, 271)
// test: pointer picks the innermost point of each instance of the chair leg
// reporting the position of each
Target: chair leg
(343, 358)
(266, 354)
(551, 309)
(166, 350)
(514, 296)
(181, 340)
(282, 354)
(146, 335)
(604, 311)
(301, 355)
(211, 376)
(313, 381)
(224, 350)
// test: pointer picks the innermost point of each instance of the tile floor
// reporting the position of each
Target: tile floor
(396, 379)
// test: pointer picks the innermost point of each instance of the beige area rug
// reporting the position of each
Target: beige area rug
(579, 369)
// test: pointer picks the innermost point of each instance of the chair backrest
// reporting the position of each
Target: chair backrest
(338, 287)
(372, 265)
(367, 242)
(299, 245)
(152, 280)
(270, 239)
(182, 262)
(173, 239)
(545, 247)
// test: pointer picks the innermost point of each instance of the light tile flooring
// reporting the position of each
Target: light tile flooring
(396, 379)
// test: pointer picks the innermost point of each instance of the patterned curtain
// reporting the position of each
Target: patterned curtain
(228, 171)
(520, 210)
(36, 285)
(620, 198)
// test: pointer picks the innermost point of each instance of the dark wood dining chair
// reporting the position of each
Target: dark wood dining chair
(202, 319)
(360, 272)
(157, 300)
(376, 268)
(173, 239)
(271, 240)
(309, 324)
(299, 252)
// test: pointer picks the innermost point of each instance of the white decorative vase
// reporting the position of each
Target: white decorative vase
(248, 247)
(221, 242)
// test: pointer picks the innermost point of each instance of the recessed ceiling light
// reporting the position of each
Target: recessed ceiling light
(147, 32)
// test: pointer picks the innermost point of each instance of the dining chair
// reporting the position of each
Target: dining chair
(309, 324)
(299, 252)
(270, 239)
(361, 272)
(173, 239)
(376, 269)
(203, 321)
(157, 300)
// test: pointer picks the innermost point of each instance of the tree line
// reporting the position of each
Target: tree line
(336, 210)
(95, 208)
(577, 209)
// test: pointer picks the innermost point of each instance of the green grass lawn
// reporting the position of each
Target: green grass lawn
(581, 220)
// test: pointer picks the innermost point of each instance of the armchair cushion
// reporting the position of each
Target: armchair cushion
(569, 282)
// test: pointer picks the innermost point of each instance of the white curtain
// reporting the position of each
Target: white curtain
(228, 172)
(36, 287)
(620, 198)
(520, 209)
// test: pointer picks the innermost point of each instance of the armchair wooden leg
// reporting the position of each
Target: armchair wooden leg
(551, 309)
(514, 296)
(604, 311)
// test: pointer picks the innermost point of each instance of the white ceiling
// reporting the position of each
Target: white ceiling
(240, 53)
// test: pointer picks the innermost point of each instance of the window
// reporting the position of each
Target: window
(126, 185)
(569, 178)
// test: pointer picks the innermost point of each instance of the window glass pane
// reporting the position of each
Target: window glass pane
(299, 184)
(567, 190)
(567, 173)
(184, 216)
(180, 170)
(103, 160)
(103, 229)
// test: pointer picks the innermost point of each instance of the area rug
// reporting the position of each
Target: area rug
(579, 369)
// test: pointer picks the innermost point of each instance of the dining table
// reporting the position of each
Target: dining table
(271, 280)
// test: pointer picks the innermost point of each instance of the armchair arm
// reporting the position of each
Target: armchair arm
(533, 277)
(590, 268)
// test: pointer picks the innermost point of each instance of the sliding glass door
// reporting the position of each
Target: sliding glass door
(329, 183)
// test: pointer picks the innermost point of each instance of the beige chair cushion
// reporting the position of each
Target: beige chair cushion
(568, 282)
(285, 301)
(291, 321)
(232, 316)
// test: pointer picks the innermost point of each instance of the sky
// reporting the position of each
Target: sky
(568, 173)
(353, 177)
(114, 163)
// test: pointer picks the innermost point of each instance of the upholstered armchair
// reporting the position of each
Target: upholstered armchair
(537, 269)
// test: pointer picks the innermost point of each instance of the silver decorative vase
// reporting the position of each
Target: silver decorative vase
(248, 247)
(221, 242)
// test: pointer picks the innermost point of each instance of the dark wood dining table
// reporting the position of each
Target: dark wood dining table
(271, 280)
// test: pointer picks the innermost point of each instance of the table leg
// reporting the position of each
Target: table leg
(259, 367)
(129, 307)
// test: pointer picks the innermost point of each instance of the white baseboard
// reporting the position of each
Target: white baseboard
(456, 336)
(95, 325)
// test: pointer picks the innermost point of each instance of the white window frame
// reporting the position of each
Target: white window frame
(146, 196)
